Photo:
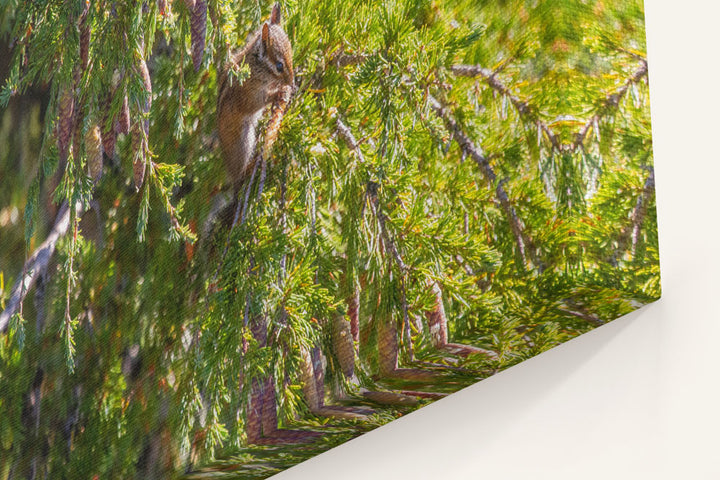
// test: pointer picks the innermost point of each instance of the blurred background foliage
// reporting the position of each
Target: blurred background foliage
(457, 185)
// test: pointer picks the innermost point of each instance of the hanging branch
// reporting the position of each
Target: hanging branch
(470, 149)
(140, 128)
(436, 320)
(612, 100)
(407, 335)
(37, 264)
(523, 107)
(371, 193)
(631, 233)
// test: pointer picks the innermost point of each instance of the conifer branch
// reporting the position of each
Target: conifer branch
(342, 59)
(349, 139)
(491, 79)
(631, 233)
(523, 107)
(612, 100)
(37, 264)
(583, 315)
(372, 194)
(474, 152)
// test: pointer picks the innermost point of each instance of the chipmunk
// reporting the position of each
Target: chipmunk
(268, 53)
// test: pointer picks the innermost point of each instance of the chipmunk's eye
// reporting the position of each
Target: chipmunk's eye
(279, 66)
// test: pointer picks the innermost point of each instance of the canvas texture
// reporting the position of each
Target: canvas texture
(235, 234)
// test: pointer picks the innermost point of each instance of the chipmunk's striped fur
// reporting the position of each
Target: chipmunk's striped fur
(268, 53)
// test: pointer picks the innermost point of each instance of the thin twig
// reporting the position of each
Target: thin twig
(349, 139)
(491, 79)
(641, 207)
(342, 59)
(481, 283)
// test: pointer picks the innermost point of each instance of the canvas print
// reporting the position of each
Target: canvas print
(235, 234)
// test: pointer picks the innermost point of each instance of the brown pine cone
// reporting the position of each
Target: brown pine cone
(84, 28)
(145, 74)
(109, 136)
(198, 27)
(343, 346)
(94, 152)
(123, 120)
(66, 107)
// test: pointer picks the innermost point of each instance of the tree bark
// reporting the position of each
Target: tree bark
(437, 323)
(343, 345)
(387, 343)
(314, 393)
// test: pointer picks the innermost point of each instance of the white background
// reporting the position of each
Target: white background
(636, 399)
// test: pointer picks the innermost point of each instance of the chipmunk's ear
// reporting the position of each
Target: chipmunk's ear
(276, 16)
(265, 37)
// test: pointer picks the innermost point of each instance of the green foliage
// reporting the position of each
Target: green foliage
(143, 327)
